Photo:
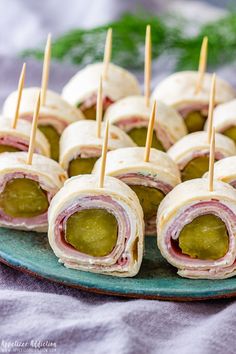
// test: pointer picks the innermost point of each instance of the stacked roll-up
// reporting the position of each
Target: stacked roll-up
(96, 224)
(197, 229)
(188, 92)
(80, 146)
(150, 180)
(17, 139)
(178, 91)
(55, 115)
(26, 190)
(81, 90)
(97, 229)
(191, 153)
(131, 114)
(225, 170)
(224, 119)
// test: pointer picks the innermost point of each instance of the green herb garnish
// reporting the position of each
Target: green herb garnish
(86, 46)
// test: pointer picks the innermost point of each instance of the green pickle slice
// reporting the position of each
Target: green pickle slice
(7, 148)
(92, 231)
(53, 138)
(81, 166)
(139, 135)
(23, 198)
(90, 112)
(195, 121)
(231, 133)
(206, 237)
(149, 198)
(195, 168)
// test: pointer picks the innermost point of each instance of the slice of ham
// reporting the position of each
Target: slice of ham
(59, 125)
(92, 100)
(16, 142)
(193, 107)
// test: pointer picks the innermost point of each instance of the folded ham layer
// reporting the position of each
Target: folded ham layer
(193, 107)
(59, 125)
(92, 101)
(81, 193)
(19, 137)
(182, 205)
(15, 142)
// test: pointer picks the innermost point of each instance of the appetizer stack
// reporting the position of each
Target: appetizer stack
(154, 167)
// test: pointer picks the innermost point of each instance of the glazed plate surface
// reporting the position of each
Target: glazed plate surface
(31, 253)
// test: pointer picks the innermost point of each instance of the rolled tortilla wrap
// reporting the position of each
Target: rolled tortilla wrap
(197, 228)
(18, 139)
(92, 246)
(191, 153)
(27, 190)
(224, 119)
(81, 90)
(178, 91)
(150, 180)
(53, 118)
(80, 147)
(225, 170)
(132, 115)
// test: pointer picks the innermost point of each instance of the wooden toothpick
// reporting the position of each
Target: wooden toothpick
(212, 161)
(211, 107)
(202, 64)
(148, 64)
(33, 130)
(104, 156)
(150, 133)
(46, 67)
(19, 95)
(99, 109)
(107, 53)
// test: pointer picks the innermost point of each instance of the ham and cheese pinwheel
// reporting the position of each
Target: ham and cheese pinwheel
(131, 114)
(26, 190)
(81, 90)
(55, 115)
(224, 119)
(191, 153)
(17, 139)
(225, 170)
(179, 91)
(80, 146)
(151, 180)
(96, 229)
(196, 229)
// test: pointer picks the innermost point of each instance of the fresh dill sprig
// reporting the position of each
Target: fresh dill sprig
(86, 46)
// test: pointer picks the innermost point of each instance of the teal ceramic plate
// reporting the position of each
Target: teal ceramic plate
(30, 252)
